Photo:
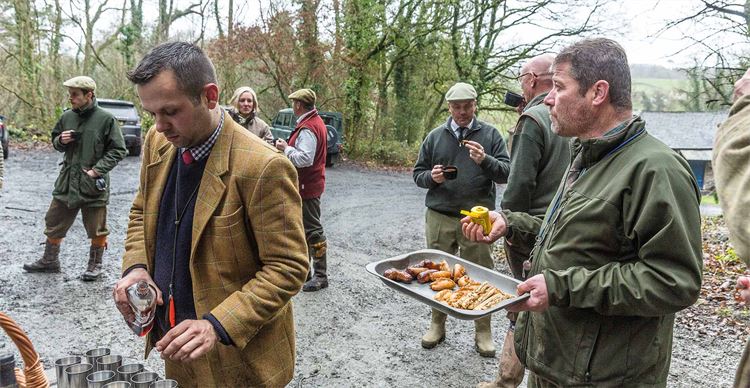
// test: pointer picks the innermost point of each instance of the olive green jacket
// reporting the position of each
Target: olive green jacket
(538, 160)
(731, 163)
(620, 252)
(100, 147)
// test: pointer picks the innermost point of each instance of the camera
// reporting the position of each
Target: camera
(513, 99)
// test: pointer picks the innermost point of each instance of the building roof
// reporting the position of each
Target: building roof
(684, 130)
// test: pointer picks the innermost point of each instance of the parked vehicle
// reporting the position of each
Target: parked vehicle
(284, 122)
(4, 136)
(130, 122)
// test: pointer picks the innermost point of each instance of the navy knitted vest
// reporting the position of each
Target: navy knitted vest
(189, 180)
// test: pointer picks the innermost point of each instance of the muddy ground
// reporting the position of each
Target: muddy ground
(355, 333)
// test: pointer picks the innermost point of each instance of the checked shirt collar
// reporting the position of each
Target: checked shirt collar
(202, 151)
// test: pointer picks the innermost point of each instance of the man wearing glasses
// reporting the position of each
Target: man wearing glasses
(538, 159)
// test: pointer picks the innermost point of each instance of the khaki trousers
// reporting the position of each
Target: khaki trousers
(444, 233)
(60, 218)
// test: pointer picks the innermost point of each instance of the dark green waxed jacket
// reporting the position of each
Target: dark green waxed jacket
(100, 147)
(620, 254)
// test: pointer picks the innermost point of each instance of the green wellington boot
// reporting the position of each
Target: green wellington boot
(436, 333)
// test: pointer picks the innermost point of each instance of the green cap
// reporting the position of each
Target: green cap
(81, 82)
(461, 91)
(304, 95)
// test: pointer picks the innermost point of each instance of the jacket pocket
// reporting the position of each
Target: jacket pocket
(88, 186)
(586, 350)
(63, 180)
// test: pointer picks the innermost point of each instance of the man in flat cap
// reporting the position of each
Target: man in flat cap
(478, 153)
(92, 143)
(306, 149)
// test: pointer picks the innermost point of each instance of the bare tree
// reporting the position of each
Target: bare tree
(168, 15)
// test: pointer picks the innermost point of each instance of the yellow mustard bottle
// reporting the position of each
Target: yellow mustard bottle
(480, 215)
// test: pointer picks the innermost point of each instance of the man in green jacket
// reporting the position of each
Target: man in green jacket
(538, 160)
(478, 152)
(731, 163)
(92, 143)
(619, 250)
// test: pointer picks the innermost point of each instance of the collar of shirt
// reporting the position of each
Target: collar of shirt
(455, 127)
(618, 128)
(304, 116)
(202, 151)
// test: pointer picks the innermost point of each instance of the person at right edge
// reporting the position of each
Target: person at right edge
(731, 163)
(478, 151)
(538, 160)
(307, 151)
(619, 251)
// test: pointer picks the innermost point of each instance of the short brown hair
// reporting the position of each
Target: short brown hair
(192, 68)
(597, 59)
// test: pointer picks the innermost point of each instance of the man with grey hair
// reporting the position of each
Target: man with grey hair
(477, 152)
(619, 250)
(538, 159)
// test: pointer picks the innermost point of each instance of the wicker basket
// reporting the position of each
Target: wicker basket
(32, 375)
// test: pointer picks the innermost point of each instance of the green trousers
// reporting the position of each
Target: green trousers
(60, 218)
(444, 233)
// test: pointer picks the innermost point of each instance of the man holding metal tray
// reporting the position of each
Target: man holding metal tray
(459, 163)
(619, 250)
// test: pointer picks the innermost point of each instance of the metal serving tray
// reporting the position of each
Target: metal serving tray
(423, 292)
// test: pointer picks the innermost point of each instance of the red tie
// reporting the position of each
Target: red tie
(187, 157)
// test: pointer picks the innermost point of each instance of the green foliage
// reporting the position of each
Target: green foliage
(729, 257)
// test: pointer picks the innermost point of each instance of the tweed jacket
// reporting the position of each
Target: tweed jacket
(248, 255)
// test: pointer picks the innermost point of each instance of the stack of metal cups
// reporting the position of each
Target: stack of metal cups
(100, 369)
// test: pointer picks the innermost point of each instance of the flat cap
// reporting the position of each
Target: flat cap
(461, 91)
(305, 95)
(81, 82)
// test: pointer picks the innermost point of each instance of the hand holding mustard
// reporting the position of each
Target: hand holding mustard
(480, 215)
(476, 232)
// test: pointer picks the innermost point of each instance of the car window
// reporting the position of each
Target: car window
(287, 120)
(120, 110)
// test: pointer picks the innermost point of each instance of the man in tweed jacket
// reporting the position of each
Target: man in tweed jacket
(216, 225)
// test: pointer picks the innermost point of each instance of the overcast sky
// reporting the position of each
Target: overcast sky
(640, 21)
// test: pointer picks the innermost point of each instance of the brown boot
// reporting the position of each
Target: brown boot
(49, 262)
(483, 337)
(94, 267)
(511, 371)
(319, 279)
(436, 333)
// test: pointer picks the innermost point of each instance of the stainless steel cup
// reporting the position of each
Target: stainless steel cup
(117, 384)
(125, 372)
(143, 379)
(93, 354)
(98, 379)
(75, 375)
(60, 365)
(168, 383)
(109, 362)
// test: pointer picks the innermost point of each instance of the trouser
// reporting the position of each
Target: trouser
(444, 233)
(60, 218)
(311, 221)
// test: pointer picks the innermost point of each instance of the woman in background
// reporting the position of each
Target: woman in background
(244, 112)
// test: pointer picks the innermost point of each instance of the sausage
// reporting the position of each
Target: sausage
(429, 264)
(442, 284)
(440, 275)
(398, 276)
(424, 277)
(458, 271)
(414, 271)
